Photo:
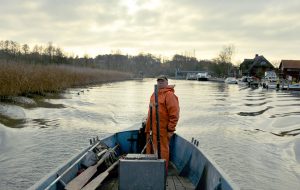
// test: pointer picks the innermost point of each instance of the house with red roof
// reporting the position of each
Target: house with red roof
(290, 68)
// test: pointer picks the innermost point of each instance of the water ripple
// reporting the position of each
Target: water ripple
(288, 105)
(257, 104)
(45, 123)
(254, 113)
(252, 99)
(284, 114)
(293, 132)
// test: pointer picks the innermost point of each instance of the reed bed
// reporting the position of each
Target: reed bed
(22, 79)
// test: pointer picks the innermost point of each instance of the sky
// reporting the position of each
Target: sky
(200, 28)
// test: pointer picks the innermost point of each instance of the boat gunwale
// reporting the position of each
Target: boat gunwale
(211, 163)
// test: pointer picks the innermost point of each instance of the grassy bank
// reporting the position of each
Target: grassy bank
(22, 79)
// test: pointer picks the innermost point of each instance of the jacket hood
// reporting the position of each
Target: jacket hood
(168, 88)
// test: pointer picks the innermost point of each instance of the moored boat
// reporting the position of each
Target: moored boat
(270, 80)
(244, 80)
(190, 168)
(292, 87)
(231, 80)
(203, 76)
(252, 82)
(271, 84)
(191, 76)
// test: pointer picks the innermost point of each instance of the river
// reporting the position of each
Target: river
(252, 134)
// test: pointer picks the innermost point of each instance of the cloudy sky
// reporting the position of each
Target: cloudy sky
(161, 27)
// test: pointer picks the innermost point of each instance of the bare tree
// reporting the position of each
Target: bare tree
(49, 51)
(25, 49)
(226, 53)
(223, 61)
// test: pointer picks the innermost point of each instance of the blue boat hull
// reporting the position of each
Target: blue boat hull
(187, 158)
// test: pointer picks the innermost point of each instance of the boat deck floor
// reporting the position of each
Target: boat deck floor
(174, 181)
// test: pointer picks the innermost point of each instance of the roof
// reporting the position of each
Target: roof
(248, 64)
(291, 64)
(248, 61)
(260, 58)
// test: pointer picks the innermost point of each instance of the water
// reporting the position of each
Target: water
(252, 134)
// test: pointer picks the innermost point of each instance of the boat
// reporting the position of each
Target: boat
(271, 84)
(191, 76)
(244, 80)
(292, 87)
(252, 81)
(203, 76)
(189, 167)
(270, 80)
(231, 80)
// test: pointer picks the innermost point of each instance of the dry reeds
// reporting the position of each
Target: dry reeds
(22, 79)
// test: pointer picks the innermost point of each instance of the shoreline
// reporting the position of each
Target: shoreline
(27, 86)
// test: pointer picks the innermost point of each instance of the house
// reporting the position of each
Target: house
(255, 67)
(290, 68)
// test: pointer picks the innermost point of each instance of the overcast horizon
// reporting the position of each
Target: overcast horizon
(162, 28)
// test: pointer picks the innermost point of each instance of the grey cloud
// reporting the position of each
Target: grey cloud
(174, 25)
(64, 10)
(222, 20)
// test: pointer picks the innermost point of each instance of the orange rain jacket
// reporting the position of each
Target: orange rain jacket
(168, 107)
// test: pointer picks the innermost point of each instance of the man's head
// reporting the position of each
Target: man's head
(162, 81)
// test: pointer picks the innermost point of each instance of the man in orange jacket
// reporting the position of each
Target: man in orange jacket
(168, 107)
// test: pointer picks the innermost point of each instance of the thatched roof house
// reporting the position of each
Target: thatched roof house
(256, 66)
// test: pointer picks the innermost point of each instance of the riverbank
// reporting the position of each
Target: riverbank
(23, 79)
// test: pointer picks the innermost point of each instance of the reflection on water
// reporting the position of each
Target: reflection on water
(11, 122)
(44, 123)
(253, 134)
